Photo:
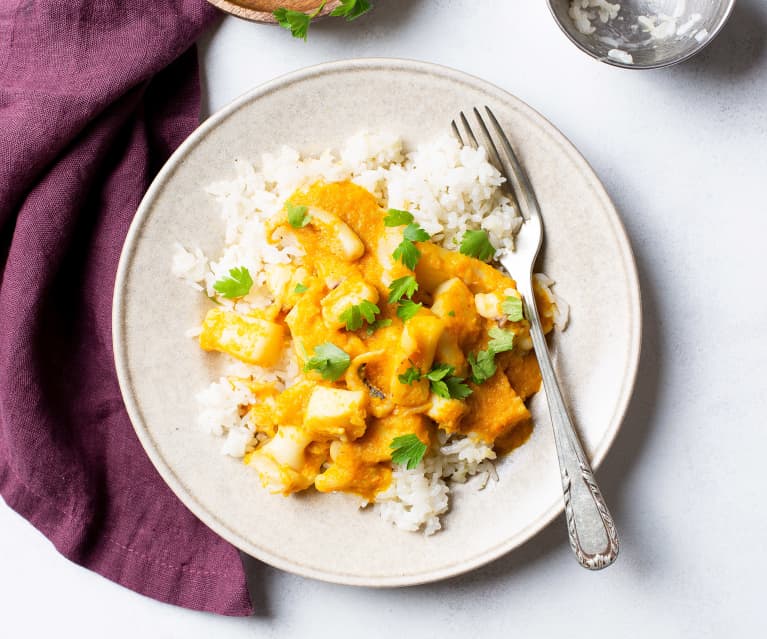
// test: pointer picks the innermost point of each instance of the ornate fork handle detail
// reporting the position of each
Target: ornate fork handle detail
(592, 532)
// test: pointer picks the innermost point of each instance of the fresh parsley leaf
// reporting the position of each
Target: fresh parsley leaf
(408, 450)
(356, 313)
(407, 309)
(395, 217)
(329, 361)
(379, 323)
(236, 284)
(351, 9)
(482, 366)
(451, 313)
(500, 340)
(456, 388)
(352, 318)
(439, 372)
(415, 233)
(407, 253)
(368, 310)
(297, 216)
(411, 375)
(402, 287)
(512, 306)
(476, 244)
(300, 288)
(296, 22)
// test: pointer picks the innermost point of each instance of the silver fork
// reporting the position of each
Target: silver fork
(590, 526)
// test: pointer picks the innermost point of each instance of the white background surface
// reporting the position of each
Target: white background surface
(683, 153)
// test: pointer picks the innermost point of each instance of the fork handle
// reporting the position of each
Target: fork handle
(590, 526)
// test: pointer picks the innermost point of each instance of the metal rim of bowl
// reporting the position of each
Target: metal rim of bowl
(641, 67)
(254, 15)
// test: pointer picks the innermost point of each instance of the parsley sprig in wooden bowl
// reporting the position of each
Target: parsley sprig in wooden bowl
(294, 15)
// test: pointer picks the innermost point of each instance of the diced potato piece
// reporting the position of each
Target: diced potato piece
(494, 409)
(282, 461)
(277, 279)
(454, 303)
(345, 242)
(252, 340)
(418, 345)
(488, 305)
(352, 291)
(446, 412)
(333, 412)
(449, 352)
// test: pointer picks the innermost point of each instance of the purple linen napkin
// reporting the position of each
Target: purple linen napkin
(94, 96)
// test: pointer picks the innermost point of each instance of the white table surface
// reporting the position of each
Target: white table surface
(683, 153)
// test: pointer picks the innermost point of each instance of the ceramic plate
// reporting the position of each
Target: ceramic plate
(326, 536)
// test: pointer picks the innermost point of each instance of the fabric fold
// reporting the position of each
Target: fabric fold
(94, 96)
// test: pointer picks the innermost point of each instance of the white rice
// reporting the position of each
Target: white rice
(448, 188)
(594, 17)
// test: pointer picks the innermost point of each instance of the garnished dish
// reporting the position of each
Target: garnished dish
(372, 343)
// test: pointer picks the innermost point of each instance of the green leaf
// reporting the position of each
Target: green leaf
(296, 22)
(411, 375)
(476, 244)
(368, 310)
(440, 388)
(395, 217)
(356, 313)
(408, 450)
(379, 323)
(407, 309)
(500, 340)
(512, 306)
(351, 9)
(297, 216)
(456, 388)
(329, 361)
(407, 253)
(482, 366)
(402, 287)
(451, 313)
(352, 318)
(415, 233)
(300, 288)
(237, 284)
(439, 372)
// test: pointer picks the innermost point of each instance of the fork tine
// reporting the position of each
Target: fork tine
(469, 132)
(457, 133)
(518, 175)
(492, 151)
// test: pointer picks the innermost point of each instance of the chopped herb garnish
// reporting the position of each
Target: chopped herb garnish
(351, 9)
(395, 217)
(329, 361)
(500, 340)
(356, 313)
(407, 309)
(236, 284)
(297, 22)
(408, 450)
(411, 375)
(300, 288)
(451, 313)
(406, 252)
(482, 366)
(512, 306)
(483, 363)
(297, 216)
(402, 287)
(444, 384)
(379, 323)
(476, 244)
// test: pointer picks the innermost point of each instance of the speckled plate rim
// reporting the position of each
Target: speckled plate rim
(124, 375)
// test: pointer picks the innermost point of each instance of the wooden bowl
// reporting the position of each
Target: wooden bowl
(261, 10)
